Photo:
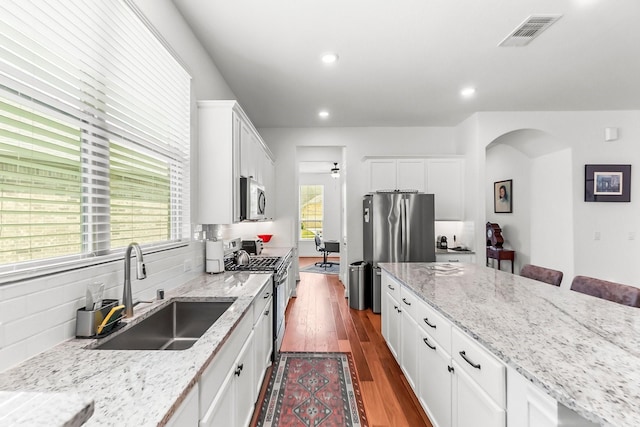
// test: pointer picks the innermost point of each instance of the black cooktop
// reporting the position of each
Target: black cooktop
(256, 263)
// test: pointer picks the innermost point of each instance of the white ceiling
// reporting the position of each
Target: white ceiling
(403, 62)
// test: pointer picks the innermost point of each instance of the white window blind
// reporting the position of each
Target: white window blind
(94, 133)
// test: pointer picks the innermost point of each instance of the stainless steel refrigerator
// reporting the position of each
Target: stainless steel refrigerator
(397, 227)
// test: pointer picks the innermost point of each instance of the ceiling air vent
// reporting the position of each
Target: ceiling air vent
(529, 30)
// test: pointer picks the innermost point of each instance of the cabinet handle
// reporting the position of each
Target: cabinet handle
(404, 300)
(426, 341)
(395, 307)
(391, 287)
(426, 320)
(466, 359)
(266, 313)
(267, 295)
(454, 260)
(239, 369)
(449, 368)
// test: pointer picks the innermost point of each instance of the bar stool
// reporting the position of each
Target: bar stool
(542, 274)
(616, 292)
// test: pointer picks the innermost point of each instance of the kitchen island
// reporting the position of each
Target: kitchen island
(138, 387)
(582, 351)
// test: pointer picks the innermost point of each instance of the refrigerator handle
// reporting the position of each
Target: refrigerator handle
(403, 224)
(407, 241)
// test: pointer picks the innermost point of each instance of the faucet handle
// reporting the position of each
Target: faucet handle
(141, 271)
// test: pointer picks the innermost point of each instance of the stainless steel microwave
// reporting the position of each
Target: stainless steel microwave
(253, 200)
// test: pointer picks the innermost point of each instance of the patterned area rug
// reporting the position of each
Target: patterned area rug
(331, 269)
(313, 389)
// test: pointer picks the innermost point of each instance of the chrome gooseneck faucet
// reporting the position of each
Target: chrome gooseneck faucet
(141, 273)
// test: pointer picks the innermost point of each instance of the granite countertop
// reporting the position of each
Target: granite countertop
(44, 409)
(134, 387)
(451, 251)
(583, 351)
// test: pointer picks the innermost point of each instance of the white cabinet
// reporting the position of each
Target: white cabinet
(457, 382)
(219, 128)
(472, 407)
(187, 413)
(529, 406)
(391, 312)
(233, 405)
(230, 385)
(445, 180)
(441, 177)
(263, 343)
(409, 337)
(434, 385)
(229, 147)
(455, 257)
(392, 174)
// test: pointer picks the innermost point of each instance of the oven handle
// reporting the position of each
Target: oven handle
(283, 279)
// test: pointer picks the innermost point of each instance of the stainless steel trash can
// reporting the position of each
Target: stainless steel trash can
(357, 285)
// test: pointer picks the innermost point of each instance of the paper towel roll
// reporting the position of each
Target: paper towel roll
(215, 256)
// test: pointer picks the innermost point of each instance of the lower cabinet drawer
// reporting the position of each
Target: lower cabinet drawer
(433, 324)
(488, 372)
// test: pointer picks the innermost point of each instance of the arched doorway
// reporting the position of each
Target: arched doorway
(539, 228)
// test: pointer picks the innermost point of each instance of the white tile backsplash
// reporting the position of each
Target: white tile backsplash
(39, 313)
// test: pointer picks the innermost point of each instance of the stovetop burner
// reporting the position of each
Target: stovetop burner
(262, 263)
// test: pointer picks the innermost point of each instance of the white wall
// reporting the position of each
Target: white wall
(38, 314)
(505, 162)
(583, 133)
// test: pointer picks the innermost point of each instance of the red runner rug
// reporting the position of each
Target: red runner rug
(313, 389)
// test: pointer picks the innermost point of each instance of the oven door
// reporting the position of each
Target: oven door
(280, 305)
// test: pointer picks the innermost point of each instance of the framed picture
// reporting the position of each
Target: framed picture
(607, 183)
(503, 196)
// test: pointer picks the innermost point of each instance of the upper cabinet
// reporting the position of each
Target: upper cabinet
(442, 177)
(393, 174)
(229, 147)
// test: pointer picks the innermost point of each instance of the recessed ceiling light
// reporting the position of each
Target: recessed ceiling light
(329, 58)
(323, 114)
(468, 92)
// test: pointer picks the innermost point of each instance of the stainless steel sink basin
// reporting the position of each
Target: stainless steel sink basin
(175, 327)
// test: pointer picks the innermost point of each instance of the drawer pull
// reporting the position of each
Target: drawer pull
(266, 313)
(239, 369)
(391, 287)
(449, 368)
(267, 295)
(426, 341)
(426, 320)
(404, 300)
(464, 356)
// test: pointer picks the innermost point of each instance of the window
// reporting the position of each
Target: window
(311, 211)
(94, 133)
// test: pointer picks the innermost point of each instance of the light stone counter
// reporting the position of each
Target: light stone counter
(136, 387)
(44, 409)
(583, 351)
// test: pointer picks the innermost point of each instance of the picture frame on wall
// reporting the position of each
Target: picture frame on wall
(503, 196)
(607, 183)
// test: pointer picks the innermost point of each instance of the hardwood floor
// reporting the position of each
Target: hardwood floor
(320, 319)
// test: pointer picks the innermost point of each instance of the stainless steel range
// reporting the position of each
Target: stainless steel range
(279, 266)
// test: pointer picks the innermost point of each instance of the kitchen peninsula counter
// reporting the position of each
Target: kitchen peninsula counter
(136, 387)
(582, 351)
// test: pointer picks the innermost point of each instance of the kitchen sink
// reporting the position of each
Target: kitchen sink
(174, 327)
